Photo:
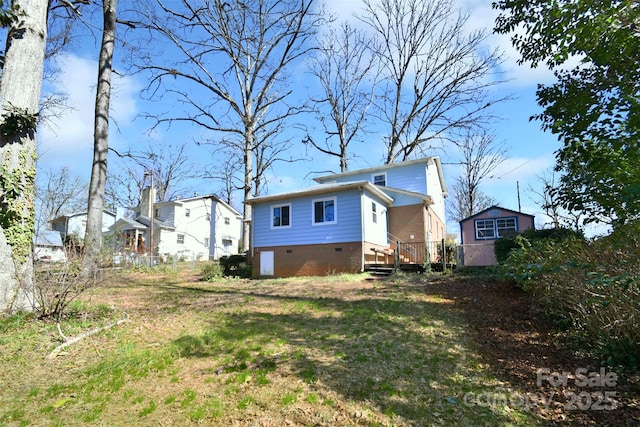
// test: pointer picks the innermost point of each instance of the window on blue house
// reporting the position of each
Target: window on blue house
(380, 179)
(281, 216)
(324, 211)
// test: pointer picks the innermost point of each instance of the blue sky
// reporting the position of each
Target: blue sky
(68, 139)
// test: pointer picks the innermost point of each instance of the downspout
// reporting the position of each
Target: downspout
(213, 228)
(362, 249)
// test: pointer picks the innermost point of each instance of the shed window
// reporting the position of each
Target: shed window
(180, 239)
(324, 211)
(485, 229)
(506, 226)
(495, 228)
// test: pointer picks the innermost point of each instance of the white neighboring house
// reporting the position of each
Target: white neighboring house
(200, 227)
(75, 224)
(47, 247)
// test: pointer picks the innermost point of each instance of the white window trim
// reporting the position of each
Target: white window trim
(279, 227)
(335, 211)
(373, 178)
(493, 228)
(374, 211)
(496, 234)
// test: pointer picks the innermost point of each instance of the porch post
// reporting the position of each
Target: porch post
(396, 256)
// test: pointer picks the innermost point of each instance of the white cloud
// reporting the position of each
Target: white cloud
(67, 138)
(344, 10)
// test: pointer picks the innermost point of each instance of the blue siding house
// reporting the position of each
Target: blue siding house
(348, 220)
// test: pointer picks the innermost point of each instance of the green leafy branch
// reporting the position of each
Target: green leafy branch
(17, 121)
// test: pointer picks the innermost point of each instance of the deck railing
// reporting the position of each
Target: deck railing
(420, 253)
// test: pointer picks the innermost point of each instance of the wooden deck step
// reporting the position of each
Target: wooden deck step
(379, 271)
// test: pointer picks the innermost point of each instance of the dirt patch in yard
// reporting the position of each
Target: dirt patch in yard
(521, 347)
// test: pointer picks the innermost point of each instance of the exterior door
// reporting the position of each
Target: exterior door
(266, 263)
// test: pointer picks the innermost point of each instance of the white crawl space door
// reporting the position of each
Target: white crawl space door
(266, 263)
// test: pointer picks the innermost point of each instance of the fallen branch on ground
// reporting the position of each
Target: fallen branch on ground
(56, 351)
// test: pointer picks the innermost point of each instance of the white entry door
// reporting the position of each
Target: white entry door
(266, 263)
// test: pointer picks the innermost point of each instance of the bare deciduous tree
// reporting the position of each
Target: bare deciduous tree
(231, 58)
(458, 201)
(347, 73)
(224, 171)
(93, 234)
(480, 156)
(58, 193)
(436, 77)
(169, 164)
(19, 97)
(548, 199)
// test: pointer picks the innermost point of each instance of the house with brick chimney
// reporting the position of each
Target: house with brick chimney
(199, 227)
(381, 215)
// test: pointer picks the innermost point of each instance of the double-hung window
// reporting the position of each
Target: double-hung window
(374, 213)
(324, 211)
(495, 228)
(281, 216)
(485, 229)
(380, 179)
(506, 226)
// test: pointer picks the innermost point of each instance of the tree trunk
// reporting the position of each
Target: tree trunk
(93, 236)
(248, 185)
(19, 98)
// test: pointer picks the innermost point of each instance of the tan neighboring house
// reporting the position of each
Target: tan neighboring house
(199, 227)
(480, 231)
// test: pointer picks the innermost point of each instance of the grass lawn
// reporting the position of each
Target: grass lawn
(333, 351)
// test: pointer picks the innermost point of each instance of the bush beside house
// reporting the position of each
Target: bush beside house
(589, 289)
